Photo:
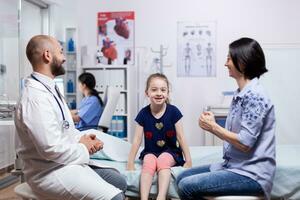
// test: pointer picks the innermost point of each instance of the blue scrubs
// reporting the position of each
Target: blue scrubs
(90, 111)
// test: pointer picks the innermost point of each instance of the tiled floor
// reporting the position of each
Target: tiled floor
(8, 192)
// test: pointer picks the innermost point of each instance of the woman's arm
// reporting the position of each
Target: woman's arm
(208, 123)
(75, 115)
(183, 144)
(138, 135)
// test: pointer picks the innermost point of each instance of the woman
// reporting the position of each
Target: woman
(91, 106)
(249, 140)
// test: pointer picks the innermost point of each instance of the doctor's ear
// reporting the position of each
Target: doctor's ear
(47, 56)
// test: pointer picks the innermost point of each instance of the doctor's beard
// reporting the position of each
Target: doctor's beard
(56, 67)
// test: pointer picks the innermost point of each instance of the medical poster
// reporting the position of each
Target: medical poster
(116, 37)
(196, 49)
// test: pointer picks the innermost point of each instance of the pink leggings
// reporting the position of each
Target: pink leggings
(152, 163)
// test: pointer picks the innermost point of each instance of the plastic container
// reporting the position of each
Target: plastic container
(71, 45)
(70, 86)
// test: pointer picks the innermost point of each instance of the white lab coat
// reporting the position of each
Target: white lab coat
(55, 164)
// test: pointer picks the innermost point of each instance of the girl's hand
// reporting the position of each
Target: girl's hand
(187, 164)
(130, 167)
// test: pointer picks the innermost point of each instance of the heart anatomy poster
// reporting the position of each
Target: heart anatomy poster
(116, 37)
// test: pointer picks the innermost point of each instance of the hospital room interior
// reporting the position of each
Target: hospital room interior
(189, 48)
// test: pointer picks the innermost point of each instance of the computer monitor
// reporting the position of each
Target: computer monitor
(60, 84)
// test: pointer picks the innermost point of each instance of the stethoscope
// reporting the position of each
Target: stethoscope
(65, 124)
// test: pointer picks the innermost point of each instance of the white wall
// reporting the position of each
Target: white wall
(267, 21)
(63, 14)
(31, 24)
(282, 86)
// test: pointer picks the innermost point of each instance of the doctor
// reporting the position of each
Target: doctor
(56, 159)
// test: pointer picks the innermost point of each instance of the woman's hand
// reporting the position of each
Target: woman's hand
(207, 121)
(187, 164)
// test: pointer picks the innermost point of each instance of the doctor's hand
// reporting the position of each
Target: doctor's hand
(207, 121)
(92, 136)
(92, 145)
(99, 144)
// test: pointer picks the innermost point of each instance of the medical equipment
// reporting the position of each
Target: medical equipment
(65, 123)
(158, 62)
(7, 107)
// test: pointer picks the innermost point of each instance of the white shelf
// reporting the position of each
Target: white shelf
(103, 91)
(120, 115)
(7, 122)
(70, 94)
(71, 70)
(71, 66)
(71, 52)
(219, 111)
(115, 76)
(103, 66)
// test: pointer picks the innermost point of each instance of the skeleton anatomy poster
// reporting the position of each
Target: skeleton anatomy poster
(116, 37)
(196, 49)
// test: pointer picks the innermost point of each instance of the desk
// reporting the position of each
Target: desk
(7, 122)
(7, 143)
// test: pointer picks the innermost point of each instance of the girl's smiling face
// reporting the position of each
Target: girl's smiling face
(158, 91)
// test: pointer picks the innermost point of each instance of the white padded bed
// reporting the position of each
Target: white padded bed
(115, 153)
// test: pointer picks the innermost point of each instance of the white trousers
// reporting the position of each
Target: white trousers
(74, 182)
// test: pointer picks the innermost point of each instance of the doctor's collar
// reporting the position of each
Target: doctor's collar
(45, 79)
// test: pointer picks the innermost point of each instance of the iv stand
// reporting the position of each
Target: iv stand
(162, 52)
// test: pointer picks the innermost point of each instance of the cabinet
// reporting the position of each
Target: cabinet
(116, 76)
(70, 77)
(7, 143)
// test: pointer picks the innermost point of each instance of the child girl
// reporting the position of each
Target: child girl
(160, 123)
(91, 106)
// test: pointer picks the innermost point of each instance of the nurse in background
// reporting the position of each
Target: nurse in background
(249, 136)
(91, 106)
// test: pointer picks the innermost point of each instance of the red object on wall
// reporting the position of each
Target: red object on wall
(119, 28)
(108, 49)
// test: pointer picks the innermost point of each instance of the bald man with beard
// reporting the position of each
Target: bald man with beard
(56, 156)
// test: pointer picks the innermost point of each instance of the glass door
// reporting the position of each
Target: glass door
(9, 54)
(34, 21)
(19, 21)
